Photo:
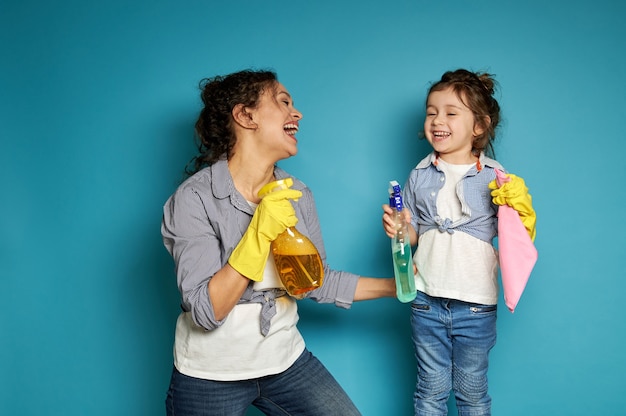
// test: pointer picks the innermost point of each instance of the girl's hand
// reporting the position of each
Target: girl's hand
(389, 224)
(513, 192)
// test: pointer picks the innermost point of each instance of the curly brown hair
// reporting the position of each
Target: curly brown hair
(215, 136)
(475, 90)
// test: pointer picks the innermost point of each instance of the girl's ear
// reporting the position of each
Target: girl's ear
(242, 117)
(481, 125)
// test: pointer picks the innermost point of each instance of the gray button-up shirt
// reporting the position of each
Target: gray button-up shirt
(203, 222)
(478, 211)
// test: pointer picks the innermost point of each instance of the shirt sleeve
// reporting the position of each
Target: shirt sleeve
(410, 201)
(191, 240)
(338, 287)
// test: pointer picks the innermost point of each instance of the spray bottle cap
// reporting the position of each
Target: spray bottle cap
(276, 186)
(395, 195)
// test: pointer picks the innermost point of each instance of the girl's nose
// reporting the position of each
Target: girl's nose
(297, 114)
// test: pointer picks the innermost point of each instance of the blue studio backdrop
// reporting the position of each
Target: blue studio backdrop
(97, 106)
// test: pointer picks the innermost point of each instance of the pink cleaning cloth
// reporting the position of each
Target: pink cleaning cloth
(517, 252)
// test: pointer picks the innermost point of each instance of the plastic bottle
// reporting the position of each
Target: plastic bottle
(298, 262)
(401, 248)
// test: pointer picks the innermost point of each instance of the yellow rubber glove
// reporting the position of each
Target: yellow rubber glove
(273, 215)
(514, 193)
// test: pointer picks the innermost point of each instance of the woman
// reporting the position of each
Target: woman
(236, 342)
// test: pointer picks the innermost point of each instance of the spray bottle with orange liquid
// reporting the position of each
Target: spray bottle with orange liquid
(298, 262)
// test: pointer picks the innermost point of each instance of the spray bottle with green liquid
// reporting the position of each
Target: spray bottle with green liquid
(401, 248)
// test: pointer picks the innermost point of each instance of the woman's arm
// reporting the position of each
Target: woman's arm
(225, 289)
(373, 288)
(209, 288)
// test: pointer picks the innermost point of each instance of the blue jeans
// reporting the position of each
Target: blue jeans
(305, 388)
(452, 342)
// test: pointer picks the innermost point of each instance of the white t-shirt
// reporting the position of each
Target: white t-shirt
(457, 265)
(237, 350)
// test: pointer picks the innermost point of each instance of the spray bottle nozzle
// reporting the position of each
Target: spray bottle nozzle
(395, 195)
(394, 188)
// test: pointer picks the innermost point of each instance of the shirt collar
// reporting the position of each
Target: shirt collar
(222, 182)
(483, 161)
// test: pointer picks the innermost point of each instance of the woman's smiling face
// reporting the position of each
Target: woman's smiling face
(278, 120)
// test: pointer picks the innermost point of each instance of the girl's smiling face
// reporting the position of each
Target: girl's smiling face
(450, 127)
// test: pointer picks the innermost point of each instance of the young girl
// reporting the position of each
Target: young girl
(452, 202)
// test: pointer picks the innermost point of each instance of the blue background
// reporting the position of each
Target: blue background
(97, 105)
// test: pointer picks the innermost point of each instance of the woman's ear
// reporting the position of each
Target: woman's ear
(242, 117)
